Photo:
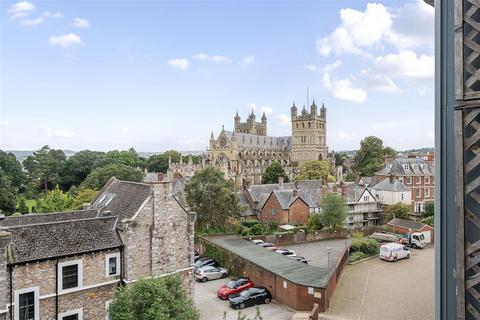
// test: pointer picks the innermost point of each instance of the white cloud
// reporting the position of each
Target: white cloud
(344, 89)
(407, 64)
(284, 120)
(181, 63)
(66, 40)
(57, 133)
(206, 57)
(248, 60)
(358, 30)
(376, 81)
(348, 136)
(5, 124)
(125, 130)
(312, 67)
(81, 23)
(20, 10)
(31, 22)
(52, 15)
(259, 110)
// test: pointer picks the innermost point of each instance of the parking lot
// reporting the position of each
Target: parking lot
(317, 252)
(212, 308)
(377, 289)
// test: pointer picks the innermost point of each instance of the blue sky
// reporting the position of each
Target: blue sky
(157, 75)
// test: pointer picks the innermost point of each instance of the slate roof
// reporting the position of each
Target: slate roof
(246, 205)
(386, 185)
(289, 269)
(408, 224)
(311, 197)
(257, 141)
(122, 198)
(407, 167)
(54, 239)
(257, 190)
(354, 192)
(36, 218)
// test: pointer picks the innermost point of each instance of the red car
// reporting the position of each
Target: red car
(234, 286)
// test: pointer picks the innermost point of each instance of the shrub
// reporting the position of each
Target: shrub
(314, 222)
(270, 227)
(256, 229)
(366, 246)
(356, 256)
(250, 223)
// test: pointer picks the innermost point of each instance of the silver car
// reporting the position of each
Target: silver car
(206, 273)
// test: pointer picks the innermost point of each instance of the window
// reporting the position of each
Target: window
(70, 275)
(72, 315)
(427, 180)
(427, 192)
(417, 179)
(274, 211)
(409, 180)
(417, 193)
(112, 264)
(405, 167)
(26, 304)
(366, 198)
(402, 197)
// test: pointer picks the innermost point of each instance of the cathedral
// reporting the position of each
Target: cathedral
(244, 153)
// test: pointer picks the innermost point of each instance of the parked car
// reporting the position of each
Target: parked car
(286, 252)
(210, 273)
(266, 244)
(234, 286)
(394, 252)
(299, 258)
(257, 241)
(202, 262)
(250, 297)
(274, 248)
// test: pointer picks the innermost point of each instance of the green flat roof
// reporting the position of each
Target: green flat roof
(289, 269)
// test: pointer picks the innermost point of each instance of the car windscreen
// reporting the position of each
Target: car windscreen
(231, 284)
(246, 293)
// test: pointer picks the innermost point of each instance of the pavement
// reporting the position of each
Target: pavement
(377, 289)
(317, 252)
(213, 308)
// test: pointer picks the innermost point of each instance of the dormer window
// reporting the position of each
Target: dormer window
(405, 166)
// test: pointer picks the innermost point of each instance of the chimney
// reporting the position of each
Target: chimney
(357, 178)
(280, 181)
(295, 193)
(344, 190)
(391, 178)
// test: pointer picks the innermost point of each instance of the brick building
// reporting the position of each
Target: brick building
(417, 174)
(66, 265)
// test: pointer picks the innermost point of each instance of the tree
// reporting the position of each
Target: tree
(350, 177)
(212, 197)
(8, 192)
(84, 196)
(159, 162)
(314, 170)
(400, 210)
(369, 159)
(340, 158)
(273, 172)
(429, 209)
(12, 169)
(99, 176)
(314, 222)
(128, 157)
(152, 299)
(44, 166)
(334, 210)
(78, 167)
(56, 201)
(22, 206)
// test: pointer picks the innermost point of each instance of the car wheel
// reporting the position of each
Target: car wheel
(395, 259)
(224, 275)
(242, 306)
(408, 256)
(267, 300)
(414, 246)
(204, 279)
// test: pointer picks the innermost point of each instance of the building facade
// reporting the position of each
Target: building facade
(415, 173)
(66, 265)
(244, 153)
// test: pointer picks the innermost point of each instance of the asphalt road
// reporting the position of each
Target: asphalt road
(212, 308)
(377, 289)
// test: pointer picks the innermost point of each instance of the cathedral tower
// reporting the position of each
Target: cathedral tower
(251, 126)
(309, 134)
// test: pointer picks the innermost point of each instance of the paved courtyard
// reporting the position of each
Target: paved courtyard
(317, 252)
(212, 308)
(377, 289)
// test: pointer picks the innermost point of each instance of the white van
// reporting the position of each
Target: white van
(394, 252)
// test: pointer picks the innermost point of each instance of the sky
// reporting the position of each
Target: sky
(159, 75)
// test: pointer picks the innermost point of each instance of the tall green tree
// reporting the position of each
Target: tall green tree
(314, 170)
(401, 210)
(370, 157)
(152, 299)
(84, 196)
(55, 201)
(334, 210)
(22, 206)
(44, 166)
(8, 192)
(128, 157)
(99, 176)
(78, 167)
(273, 172)
(159, 162)
(212, 197)
(429, 209)
(12, 168)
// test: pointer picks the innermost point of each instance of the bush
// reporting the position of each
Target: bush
(366, 246)
(250, 223)
(356, 256)
(270, 227)
(256, 230)
(314, 222)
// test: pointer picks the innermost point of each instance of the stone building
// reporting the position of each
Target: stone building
(66, 265)
(244, 153)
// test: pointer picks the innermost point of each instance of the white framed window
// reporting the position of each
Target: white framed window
(427, 193)
(427, 180)
(417, 179)
(112, 264)
(417, 193)
(107, 305)
(76, 314)
(366, 198)
(70, 275)
(274, 211)
(405, 167)
(27, 304)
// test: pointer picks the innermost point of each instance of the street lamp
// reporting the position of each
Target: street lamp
(328, 257)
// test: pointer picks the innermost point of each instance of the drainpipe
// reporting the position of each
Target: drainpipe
(10, 271)
(122, 264)
(56, 290)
